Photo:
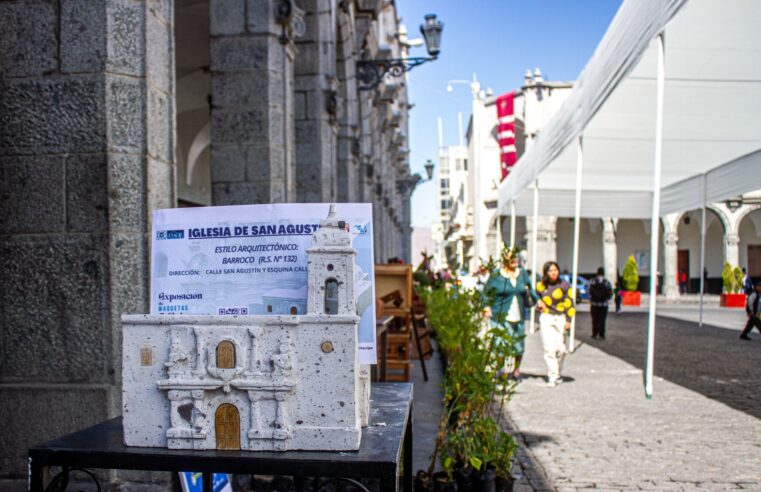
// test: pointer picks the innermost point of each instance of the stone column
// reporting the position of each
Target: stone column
(732, 248)
(546, 247)
(87, 124)
(316, 105)
(670, 280)
(252, 130)
(609, 250)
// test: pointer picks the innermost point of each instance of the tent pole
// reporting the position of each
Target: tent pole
(512, 223)
(534, 237)
(576, 226)
(655, 217)
(702, 250)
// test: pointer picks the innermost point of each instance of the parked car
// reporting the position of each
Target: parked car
(582, 287)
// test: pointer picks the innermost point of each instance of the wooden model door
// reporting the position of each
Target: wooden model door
(227, 427)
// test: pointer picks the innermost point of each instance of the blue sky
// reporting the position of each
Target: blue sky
(498, 41)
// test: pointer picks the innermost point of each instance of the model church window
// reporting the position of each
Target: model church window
(226, 355)
(331, 296)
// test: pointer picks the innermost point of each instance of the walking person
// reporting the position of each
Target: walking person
(600, 292)
(752, 310)
(747, 283)
(618, 297)
(506, 291)
(682, 282)
(557, 310)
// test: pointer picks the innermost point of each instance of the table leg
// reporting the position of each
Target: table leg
(384, 355)
(408, 454)
(37, 473)
(208, 481)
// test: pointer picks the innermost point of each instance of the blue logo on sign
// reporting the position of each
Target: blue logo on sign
(180, 234)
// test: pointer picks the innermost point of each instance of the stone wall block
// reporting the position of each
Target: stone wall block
(28, 41)
(54, 411)
(239, 53)
(127, 193)
(300, 105)
(162, 9)
(229, 162)
(125, 108)
(160, 185)
(159, 125)
(240, 193)
(239, 90)
(318, 26)
(306, 83)
(129, 279)
(159, 51)
(47, 117)
(266, 161)
(62, 284)
(83, 36)
(316, 105)
(126, 37)
(238, 127)
(260, 17)
(228, 17)
(31, 194)
(86, 193)
(308, 61)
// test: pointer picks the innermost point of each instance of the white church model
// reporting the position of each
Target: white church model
(253, 382)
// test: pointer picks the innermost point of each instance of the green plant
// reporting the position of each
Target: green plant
(630, 275)
(738, 279)
(477, 351)
(732, 279)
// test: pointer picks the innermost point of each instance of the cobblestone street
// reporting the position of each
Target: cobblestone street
(700, 431)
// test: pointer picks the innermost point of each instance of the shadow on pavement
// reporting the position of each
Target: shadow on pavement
(709, 360)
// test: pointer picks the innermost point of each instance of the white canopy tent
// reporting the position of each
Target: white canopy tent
(669, 105)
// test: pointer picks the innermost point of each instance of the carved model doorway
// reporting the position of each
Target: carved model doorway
(227, 427)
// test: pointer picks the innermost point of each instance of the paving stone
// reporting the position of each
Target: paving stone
(602, 432)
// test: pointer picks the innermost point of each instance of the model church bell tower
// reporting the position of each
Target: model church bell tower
(331, 269)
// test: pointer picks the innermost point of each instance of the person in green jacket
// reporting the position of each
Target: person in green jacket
(506, 291)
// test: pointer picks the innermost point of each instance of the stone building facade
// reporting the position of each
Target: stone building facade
(473, 229)
(112, 109)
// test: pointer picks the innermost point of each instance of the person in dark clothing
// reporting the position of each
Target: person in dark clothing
(747, 283)
(600, 292)
(752, 309)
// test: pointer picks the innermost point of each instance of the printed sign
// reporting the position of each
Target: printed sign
(252, 259)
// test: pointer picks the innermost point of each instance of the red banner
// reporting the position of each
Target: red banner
(506, 132)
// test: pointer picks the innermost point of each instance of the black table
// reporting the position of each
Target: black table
(385, 441)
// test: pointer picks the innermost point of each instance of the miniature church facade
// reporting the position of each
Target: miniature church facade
(253, 383)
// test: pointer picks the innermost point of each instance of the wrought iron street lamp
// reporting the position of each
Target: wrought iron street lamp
(411, 181)
(370, 73)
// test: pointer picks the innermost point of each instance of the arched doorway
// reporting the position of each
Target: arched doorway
(688, 250)
(227, 427)
(749, 235)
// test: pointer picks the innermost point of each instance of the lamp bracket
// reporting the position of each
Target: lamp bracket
(370, 73)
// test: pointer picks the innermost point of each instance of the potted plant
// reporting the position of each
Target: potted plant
(732, 297)
(472, 451)
(630, 296)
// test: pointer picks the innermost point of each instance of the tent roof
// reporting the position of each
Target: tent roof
(712, 115)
